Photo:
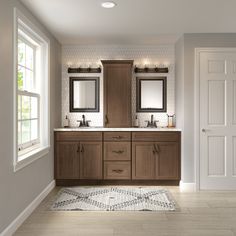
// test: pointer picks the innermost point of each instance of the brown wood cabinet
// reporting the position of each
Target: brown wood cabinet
(117, 170)
(117, 156)
(153, 159)
(167, 160)
(117, 151)
(143, 160)
(117, 93)
(90, 160)
(67, 164)
(76, 157)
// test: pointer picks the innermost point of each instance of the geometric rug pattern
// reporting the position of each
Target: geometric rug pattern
(113, 198)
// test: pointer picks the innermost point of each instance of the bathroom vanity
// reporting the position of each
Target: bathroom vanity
(117, 156)
(113, 155)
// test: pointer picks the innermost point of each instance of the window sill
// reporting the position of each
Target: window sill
(30, 157)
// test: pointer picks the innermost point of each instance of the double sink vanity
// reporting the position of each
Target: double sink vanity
(118, 153)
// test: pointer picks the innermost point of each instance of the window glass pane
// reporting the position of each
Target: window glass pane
(29, 57)
(34, 107)
(34, 129)
(19, 107)
(21, 78)
(29, 82)
(25, 131)
(19, 133)
(25, 107)
(21, 53)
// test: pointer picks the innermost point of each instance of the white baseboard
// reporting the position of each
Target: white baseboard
(15, 224)
(187, 187)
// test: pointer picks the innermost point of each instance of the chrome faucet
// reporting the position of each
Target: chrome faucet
(152, 123)
(84, 122)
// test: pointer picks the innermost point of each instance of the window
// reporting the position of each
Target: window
(31, 131)
(28, 96)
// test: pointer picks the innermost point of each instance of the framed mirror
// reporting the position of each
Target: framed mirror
(151, 94)
(84, 94)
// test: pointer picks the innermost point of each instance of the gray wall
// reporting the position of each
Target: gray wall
(185, 77)
(19, 189)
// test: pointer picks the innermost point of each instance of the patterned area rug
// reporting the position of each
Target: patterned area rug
(113, 199)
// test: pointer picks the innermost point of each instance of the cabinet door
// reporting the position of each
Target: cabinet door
(167, 161)
(90, 160)
(117, 94)
(143, 160)
(67, 160)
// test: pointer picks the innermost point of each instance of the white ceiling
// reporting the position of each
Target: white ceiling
(133, 21)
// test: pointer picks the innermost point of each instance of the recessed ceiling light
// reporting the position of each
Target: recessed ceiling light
(108, 4)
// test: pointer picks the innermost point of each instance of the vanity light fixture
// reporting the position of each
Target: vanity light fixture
(84, 70)
(151, 70)
(108, 4)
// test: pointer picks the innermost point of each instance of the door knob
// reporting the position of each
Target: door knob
(205, 130)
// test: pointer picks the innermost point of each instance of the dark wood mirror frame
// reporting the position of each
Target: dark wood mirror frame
(139, 92)
(97, 96)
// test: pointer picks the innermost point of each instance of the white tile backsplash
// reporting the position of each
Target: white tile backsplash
(84, 55)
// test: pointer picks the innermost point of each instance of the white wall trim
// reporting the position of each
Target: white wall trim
(187, 187)
(197, 107)
(16, 223)
(32, 156)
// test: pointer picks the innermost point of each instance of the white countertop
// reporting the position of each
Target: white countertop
(115, 129)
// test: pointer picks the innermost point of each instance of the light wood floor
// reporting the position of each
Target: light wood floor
(199, 214)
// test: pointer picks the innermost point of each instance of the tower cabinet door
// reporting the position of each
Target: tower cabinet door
(67, 160)
(91, 160)
(117, 93)
(143, 160)
(167, 161)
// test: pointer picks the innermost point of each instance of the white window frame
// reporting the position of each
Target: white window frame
(29, 155)
(24, 147)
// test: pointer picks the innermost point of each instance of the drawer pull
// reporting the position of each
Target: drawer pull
(118, 171)
(154, 149)
(117, 137)
(82, 149)
(157, 148)
(106, 119)
(118, 152)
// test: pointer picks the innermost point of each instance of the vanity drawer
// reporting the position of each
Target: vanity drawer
(78, 136)
(117, 136)
(117, 170)
(117, 151)
(160, 136)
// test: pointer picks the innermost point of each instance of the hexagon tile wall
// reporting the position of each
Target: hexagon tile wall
(85, 55)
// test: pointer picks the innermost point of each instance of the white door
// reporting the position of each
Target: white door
(218, 120)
